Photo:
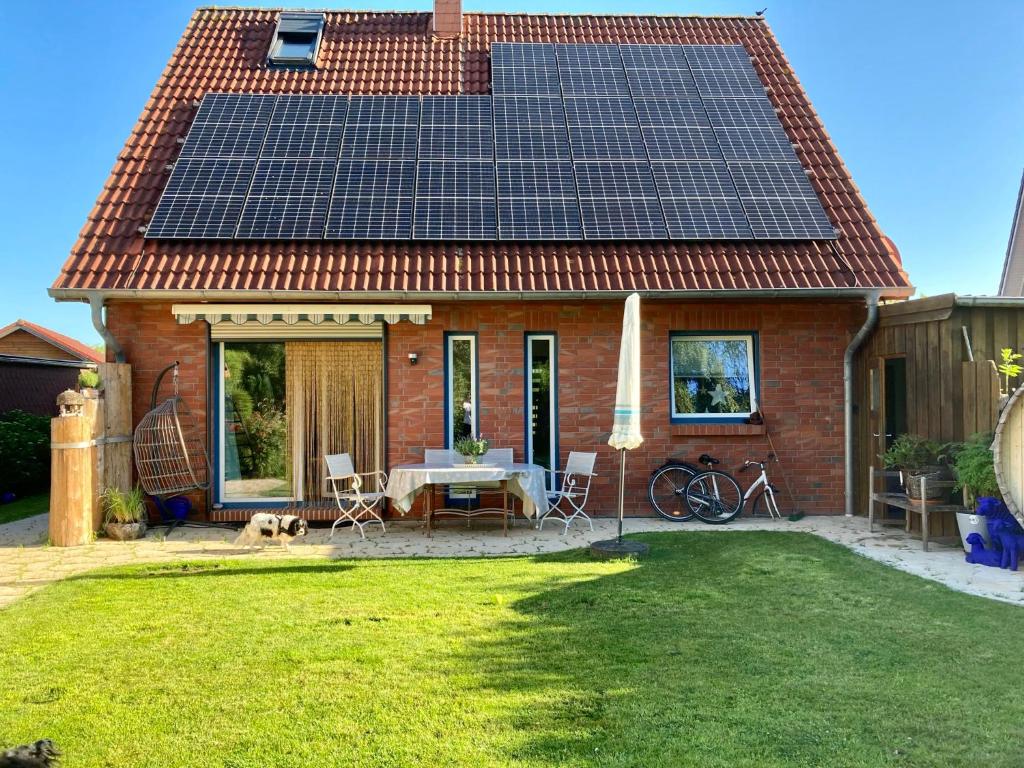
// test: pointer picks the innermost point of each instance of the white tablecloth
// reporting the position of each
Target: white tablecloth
(524, 480)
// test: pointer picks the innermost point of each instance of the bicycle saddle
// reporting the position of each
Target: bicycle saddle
(705, 459)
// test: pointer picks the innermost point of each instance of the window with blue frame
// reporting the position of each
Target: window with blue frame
(713, 376)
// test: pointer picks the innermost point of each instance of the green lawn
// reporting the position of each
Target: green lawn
(26, 507)
(737, 649)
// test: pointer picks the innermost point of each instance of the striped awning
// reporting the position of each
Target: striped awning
(290, 314)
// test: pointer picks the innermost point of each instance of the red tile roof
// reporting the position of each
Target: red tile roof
(224, 50)
(69, 345)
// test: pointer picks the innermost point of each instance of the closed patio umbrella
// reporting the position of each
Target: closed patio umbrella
(625, 434)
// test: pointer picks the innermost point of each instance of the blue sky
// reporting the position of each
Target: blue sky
(924, 101)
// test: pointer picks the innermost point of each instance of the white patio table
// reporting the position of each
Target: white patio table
(407, 481)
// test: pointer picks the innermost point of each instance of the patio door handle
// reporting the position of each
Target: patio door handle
(875, 434)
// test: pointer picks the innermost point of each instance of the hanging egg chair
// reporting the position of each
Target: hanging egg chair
(170, 453)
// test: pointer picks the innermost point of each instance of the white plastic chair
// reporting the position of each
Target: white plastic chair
(356, 505)
(438, 456)
(571, 497)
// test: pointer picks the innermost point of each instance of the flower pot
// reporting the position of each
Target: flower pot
(125, 531)
(968, 523)
(471, 459)
(179, 507)
(930, 475)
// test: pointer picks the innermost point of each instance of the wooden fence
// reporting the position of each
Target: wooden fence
(89, 452)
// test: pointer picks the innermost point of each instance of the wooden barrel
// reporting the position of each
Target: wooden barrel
(1008, 452)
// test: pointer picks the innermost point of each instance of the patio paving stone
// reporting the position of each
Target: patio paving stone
(28, 563)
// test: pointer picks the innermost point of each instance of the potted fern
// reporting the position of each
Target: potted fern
(471, 448)
(918, 458)
(124, 514)
(975, 470)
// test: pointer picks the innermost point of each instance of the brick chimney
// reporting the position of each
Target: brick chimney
(448, 18)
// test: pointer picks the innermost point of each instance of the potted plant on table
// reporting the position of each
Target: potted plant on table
(918, 458)
(471, 448)
(125, 514)
(976, 477)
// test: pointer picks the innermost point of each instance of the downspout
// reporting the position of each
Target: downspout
(96, 305)
(851, 350)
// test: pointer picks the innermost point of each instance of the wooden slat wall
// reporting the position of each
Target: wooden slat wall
(940, 405)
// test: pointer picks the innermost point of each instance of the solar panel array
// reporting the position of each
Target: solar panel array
(594, 142)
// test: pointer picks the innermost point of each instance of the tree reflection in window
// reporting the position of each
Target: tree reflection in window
(712, 375)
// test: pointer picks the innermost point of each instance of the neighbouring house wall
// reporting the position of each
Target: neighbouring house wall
(801, 361)
(23, 344)
(801, 348)
(33, 387)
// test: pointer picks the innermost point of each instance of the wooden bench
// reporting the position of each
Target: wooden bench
(902, 501)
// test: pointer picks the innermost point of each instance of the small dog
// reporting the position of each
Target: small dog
(265, 526)
(40, 754)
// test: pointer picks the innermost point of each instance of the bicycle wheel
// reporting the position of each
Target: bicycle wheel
(714, 497)
(765, 505)
(666, 491)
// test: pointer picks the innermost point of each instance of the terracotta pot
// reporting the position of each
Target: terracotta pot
(125, 531)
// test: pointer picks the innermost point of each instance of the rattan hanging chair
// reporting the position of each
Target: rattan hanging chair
(170, 454)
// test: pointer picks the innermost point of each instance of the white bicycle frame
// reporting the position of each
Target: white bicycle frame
(762, 479)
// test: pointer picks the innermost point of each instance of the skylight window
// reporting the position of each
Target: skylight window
(297, 39)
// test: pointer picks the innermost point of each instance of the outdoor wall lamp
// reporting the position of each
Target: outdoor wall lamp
(413, 358)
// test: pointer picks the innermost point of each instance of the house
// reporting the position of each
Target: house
(1011, 283)
(311, 317)
(37, 364)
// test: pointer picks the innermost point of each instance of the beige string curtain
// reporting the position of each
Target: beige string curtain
(335, 404)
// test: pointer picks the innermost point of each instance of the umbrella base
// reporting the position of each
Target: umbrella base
(613, 548)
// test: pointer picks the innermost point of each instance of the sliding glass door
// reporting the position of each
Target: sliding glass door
(542, 400)
(284, 405)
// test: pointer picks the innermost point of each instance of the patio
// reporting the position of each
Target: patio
(27, 563)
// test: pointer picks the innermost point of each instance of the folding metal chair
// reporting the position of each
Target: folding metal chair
(571, 497)
(356, 505)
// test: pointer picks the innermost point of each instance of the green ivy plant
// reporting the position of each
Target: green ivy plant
(975, 468)
(1009, 367)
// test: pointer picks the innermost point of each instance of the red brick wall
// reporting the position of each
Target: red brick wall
(152, 339)
(801, 385)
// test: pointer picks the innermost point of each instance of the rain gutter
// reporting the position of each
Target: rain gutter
(851, 350)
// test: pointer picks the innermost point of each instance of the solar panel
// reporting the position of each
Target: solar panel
(760, 179)
(693, 179)
(456, 127)
(455, 199)
(372, 200)
(381, 128)
(671, 112)
(646, 140)
(705, 219)
(537, 201)
(604, 128)
(681, 143)
(530, 127)
(524, 68)
(728, 83)
(623, 219)
(619, 200)
(202, 199)
(288, 200)
(306, 127)
(755, 143)
(788, 219)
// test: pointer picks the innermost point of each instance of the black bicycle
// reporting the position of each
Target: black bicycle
(666, 490)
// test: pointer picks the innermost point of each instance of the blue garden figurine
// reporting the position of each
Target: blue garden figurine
(981, 556)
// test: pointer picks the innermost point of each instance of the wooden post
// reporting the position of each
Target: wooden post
(72, 489)
(117, 422)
